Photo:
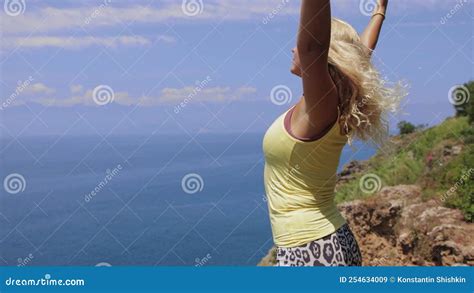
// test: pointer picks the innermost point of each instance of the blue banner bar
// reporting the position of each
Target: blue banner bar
(237, 279)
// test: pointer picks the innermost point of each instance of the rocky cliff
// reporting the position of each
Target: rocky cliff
(424, 220)
(396, 228)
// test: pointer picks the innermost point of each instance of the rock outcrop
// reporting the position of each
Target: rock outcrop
(350, 170)
(396, 227)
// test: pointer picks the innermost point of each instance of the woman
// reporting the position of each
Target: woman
(344, 98)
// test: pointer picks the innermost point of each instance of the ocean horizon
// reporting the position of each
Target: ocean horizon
(137, 200)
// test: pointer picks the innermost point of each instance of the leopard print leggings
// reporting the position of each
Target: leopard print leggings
(337, 249)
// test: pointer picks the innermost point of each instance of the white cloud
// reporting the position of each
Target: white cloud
(34, 28)
(85, 99)
(168, 96)
(215, 94)
(51, 19)
(38, 88)
(76, 88)
(78, 42)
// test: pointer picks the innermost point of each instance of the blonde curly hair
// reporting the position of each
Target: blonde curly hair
(365, 97)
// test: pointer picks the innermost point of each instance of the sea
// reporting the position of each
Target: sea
(165, 200)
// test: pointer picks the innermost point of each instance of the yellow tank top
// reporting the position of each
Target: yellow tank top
(299, 178)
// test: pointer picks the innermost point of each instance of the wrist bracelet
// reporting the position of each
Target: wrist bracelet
(379, 13)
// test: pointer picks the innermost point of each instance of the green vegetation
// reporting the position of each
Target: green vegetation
(463, 100)
(439, 159)
(405, 127)
(459, 194)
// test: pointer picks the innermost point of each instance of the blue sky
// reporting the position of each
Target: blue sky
(206, 66)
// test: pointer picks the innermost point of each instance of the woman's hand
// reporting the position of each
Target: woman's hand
(370, 36)
(381, 6)
(382, 3)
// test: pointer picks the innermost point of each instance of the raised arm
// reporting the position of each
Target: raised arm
(371, 34)
(314, 31)
(313, 42)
